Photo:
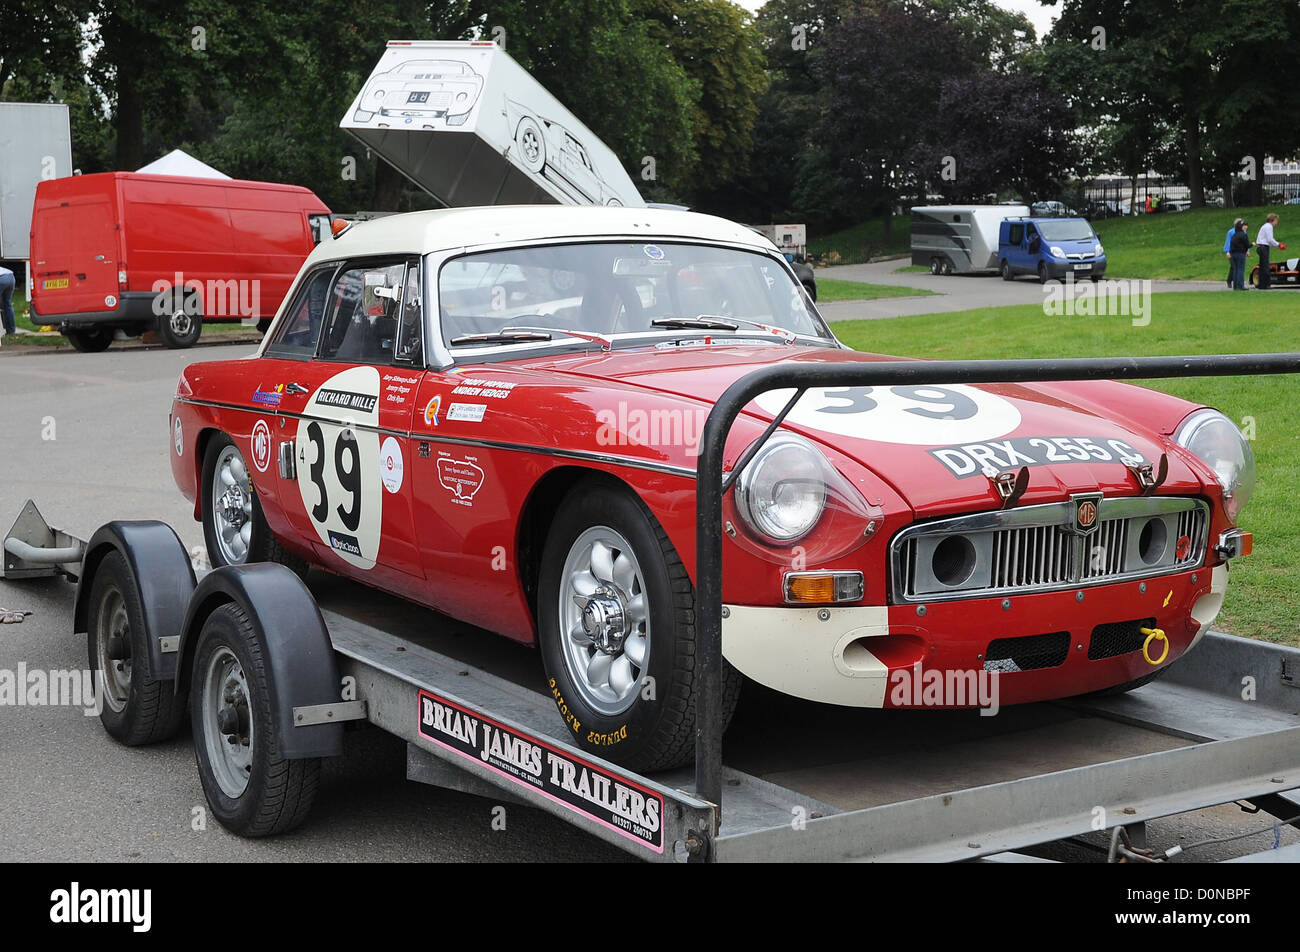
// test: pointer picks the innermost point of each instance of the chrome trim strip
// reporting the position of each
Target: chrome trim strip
(585, 455)
(1050, 515)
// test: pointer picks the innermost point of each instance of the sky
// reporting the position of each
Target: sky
(1040, 16)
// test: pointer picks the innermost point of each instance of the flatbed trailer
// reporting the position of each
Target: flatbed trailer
(804, 781)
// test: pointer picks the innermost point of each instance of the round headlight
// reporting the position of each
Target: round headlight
(782, 491)
(1216, 441)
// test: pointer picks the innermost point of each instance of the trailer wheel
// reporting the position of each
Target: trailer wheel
(133, 710)
(934, 265)
(617, 627)
(532, 146)
(180, 329)
(251, 789)
(89, 342)
(1007, 273)
(945, 267)
(234, 528)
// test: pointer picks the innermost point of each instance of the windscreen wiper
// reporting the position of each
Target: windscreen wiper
(508, 336)
(712, 322)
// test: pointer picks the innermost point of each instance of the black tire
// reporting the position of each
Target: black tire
(934, 265)
(1254, 278)
(1042, 273)
(180, 329)
(90, 341)
(1007, 273)
(134, 710)
(945, 267)
(278, 793)
(263, 546)
(656, 730)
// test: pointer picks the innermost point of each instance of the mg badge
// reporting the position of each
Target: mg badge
(1086, 508)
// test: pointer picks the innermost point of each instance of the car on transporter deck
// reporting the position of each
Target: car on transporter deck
(495, 413)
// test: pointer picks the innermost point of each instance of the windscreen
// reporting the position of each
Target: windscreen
(1074, 230)
(613, 288)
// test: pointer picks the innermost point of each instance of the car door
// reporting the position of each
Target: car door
(351, 406)
(1030, 248)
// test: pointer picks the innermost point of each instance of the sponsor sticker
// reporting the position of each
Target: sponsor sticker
(431, 411)
(261, 446)
(971, 459)
(654, 252)
(346, 400)
(464, 477)
(615, 802)
(390, 465)
(480, 387)
(467, 412)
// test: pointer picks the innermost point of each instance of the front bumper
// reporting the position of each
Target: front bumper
(866, 656)
(1056, 268)
(134, 308)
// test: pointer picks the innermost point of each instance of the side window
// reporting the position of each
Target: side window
(363, 313)
(301, 326)
(1016, 235)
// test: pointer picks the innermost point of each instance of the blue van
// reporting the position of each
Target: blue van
(1050, 248)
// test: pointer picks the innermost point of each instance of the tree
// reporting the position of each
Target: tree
(884, 66)
(40, 42)
(1003, 131)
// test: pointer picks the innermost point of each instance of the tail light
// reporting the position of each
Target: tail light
(121, 277)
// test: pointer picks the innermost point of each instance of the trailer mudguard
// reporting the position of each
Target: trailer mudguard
(162, 575)
(295, 643)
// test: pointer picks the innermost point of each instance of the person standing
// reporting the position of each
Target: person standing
(1227, 247)
(7, 301)
(1238, 249)
(1263, 242)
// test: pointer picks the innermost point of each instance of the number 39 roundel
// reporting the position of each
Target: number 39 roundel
(338, 465)
(915, 415)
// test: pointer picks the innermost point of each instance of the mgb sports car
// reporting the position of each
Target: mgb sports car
(496, 413)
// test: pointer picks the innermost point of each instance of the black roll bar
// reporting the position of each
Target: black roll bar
(710, 487)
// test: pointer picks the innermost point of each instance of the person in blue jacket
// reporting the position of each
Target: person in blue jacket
(1227, 248)
(7, 302)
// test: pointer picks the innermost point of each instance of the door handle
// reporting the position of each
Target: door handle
(295, 388)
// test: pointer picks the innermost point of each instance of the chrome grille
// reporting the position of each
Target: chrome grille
(1035, 549)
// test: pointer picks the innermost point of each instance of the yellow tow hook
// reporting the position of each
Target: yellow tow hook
(1154, 634)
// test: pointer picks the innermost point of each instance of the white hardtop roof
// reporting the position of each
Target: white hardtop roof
(452, 228)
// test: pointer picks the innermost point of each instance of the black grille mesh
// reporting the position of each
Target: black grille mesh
(1028, 652)
(1117, 638)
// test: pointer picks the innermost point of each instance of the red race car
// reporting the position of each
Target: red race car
(495, 412)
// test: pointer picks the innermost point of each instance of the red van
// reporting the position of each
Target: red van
(166, 253)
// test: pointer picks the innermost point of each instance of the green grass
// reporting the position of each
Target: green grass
(1185, 245)
(833, 289)
(24, 321)
(865, 240)
(1264, 597)
(912, 269)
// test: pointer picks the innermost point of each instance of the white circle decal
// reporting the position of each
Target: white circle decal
(261, 446)
(390, 464)
(915, 415)
(179, 434)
